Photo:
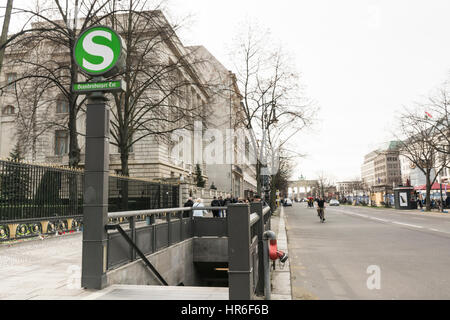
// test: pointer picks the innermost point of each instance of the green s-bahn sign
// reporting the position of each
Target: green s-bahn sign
(100, 51)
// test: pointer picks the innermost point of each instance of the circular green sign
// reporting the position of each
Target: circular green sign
(97, 50)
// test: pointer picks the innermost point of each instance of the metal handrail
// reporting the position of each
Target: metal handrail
(254, 217)
(138, 251)
(122, 214)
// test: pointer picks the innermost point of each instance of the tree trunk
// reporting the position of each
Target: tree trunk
(258, 178)
(5, 28)
(124, 155)
(428, 191)
(272, 199)
(74, 150)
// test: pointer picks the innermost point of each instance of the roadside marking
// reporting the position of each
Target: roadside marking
(384, 220)
(390, 221)
(407, 224)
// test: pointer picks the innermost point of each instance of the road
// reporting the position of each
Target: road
(365, 253)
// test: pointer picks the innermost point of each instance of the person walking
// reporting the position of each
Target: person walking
(419, 202)
(321, 209)
(198, 204)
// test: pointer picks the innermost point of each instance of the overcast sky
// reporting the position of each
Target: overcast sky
(360, 60)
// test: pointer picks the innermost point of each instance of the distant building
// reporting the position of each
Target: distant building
(236, 174)
(368, 169)
(303, 188)
(345, 188)
(381, 168)
(412, 174)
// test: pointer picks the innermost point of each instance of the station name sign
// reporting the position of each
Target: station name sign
(106, 86)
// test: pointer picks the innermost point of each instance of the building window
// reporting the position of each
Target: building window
(8, 110)
(62, 106)
(247, 149)
(61, 142)
(10, 78)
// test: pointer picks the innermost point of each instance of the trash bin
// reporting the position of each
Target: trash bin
(404, 198)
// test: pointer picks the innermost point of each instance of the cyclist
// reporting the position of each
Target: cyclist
(321, 208)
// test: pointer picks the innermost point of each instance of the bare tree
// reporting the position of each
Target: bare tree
(270, 92)
(50, 32)
(437, 116)
(418, 143)
(324, 182)
(280, 180)
(158, 75)
(31, 99)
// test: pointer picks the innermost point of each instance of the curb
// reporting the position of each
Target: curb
(281, 276)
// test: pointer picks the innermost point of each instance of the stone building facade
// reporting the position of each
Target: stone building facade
(151, 157)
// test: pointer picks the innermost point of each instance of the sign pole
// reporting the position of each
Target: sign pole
(99, 52)
(95, 212)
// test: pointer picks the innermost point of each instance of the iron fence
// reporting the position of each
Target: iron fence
(36, 199)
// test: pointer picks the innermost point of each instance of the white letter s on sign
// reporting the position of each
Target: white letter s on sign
(97, 50)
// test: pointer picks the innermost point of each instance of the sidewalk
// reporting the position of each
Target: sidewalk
(47, 269)
(281, 276)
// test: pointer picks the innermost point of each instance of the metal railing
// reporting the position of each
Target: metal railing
(41, 199)
(161, 228)
(156, 229)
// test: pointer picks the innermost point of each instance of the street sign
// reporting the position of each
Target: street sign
(105, 86)
(100, 51)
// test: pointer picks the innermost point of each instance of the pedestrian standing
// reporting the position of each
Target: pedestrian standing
(222, 204)
(215, 203)
(228, 200)
(225, 203)
(189, 202)
(198, 204)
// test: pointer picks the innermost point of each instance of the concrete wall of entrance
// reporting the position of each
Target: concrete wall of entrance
(176, 263)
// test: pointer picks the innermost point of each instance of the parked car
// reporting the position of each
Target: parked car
(287, 202)
(334, 202)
